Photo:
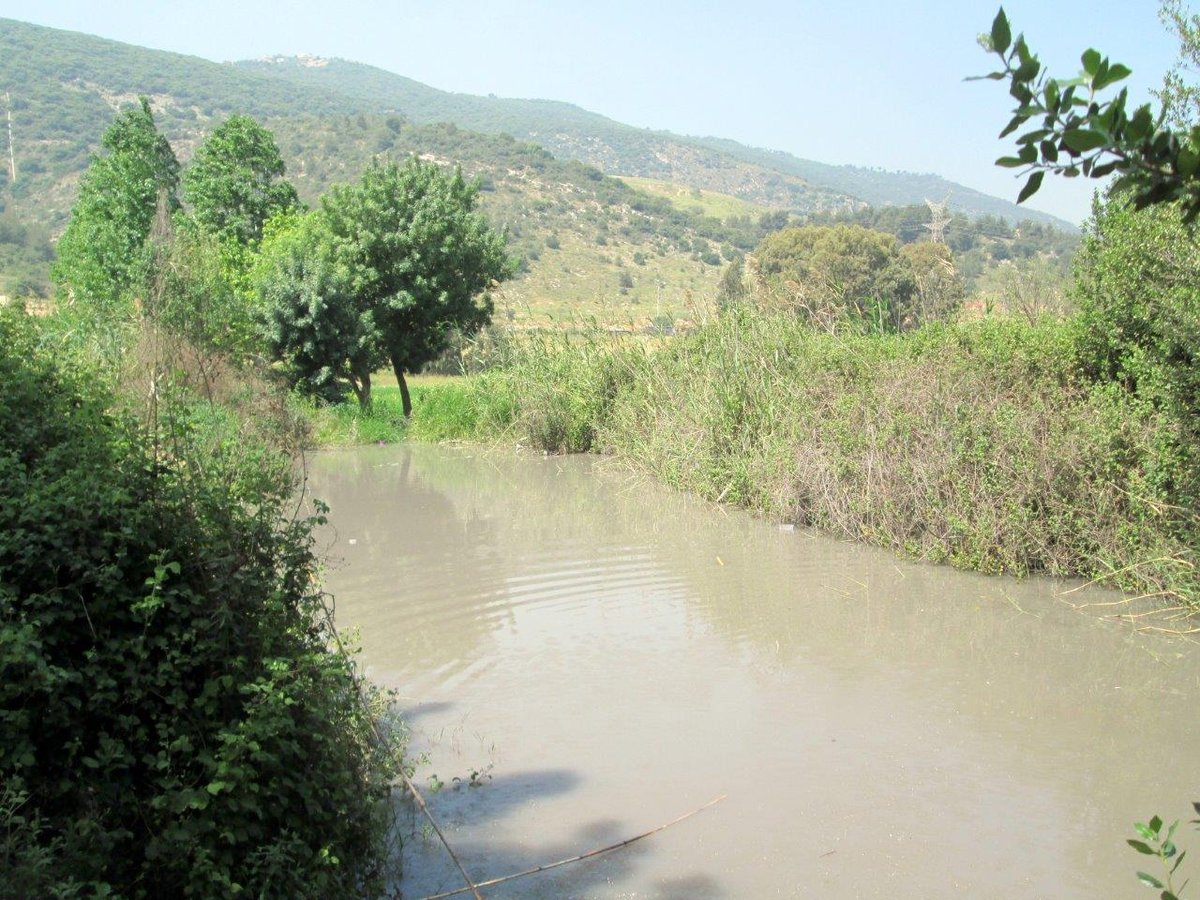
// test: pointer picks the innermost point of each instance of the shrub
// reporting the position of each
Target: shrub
(173, 720)
(1138, 291)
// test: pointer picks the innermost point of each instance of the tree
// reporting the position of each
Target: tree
(103, 253)
(420, 259)
(235, 181)
(1079, 135)
(732, 290)
(314, 325)
(1181, 100)
(939, 287)
(839, 273)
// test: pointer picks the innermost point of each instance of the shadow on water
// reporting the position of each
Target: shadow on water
(695, 887)
(428, 870)
(460, 803)
(416, 712)
(473, 820)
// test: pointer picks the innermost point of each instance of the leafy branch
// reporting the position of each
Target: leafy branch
(1154, 843)
(1075, 133)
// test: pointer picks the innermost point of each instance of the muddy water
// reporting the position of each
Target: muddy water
(608, 655)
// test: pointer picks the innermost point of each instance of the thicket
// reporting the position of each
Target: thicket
(175, 717)
(981, 444)
(1137, 287)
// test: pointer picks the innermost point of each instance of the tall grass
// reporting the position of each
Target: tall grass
(975, 444)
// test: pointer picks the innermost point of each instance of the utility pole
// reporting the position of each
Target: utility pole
(12, 158)
(937, 227)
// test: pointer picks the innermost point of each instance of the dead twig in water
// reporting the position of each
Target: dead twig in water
(416, 794)
(1140, 629)
(1102, 578)
(1156, 613)
(582, 856)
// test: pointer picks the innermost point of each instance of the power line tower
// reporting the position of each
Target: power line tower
(940, 219)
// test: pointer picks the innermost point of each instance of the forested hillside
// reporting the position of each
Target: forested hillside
(770, 177)
(588, 244)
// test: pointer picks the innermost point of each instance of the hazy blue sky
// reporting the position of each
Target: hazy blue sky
(869, 83)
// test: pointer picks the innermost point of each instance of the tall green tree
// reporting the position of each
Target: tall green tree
(840, 273)
(314, 326)
(236, 181)
(104, 252)
(420, 258)
(1137, 288)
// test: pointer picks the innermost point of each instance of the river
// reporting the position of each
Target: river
(592, 655)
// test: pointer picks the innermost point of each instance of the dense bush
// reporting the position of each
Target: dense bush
(1138, 292)
(173, 720)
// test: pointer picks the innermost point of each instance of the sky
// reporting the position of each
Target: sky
(872, 83)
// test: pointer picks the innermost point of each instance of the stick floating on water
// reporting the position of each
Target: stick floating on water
(582, 856)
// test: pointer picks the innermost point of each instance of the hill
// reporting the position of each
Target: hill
(590, 245)
(768, 177)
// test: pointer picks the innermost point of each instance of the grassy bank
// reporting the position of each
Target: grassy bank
(976, 444)
(448, 408)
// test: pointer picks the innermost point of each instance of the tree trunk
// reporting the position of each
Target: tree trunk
(361, 382)
(403, 385)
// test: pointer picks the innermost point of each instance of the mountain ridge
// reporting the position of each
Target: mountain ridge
(568, 130)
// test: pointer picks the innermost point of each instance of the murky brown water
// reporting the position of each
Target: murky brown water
(619, 655)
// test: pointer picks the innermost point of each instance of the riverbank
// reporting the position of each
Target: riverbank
(978, 444)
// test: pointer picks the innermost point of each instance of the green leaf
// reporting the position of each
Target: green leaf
(1028, 70)
(1141, 847)
(1080, 140)
(1031, 186)
(1149, 880)
(1049, 152)
(1050, 94)
(1001, 32)
(1017, 121)
(1022, 51)
(1188, 162)
(1032, 137)
(1091, 61)
(1115, 73)
(1139, 124)
(1010, 162)
(1145, 831)
(1156, 825)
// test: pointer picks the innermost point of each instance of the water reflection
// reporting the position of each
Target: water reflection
(883, 728)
